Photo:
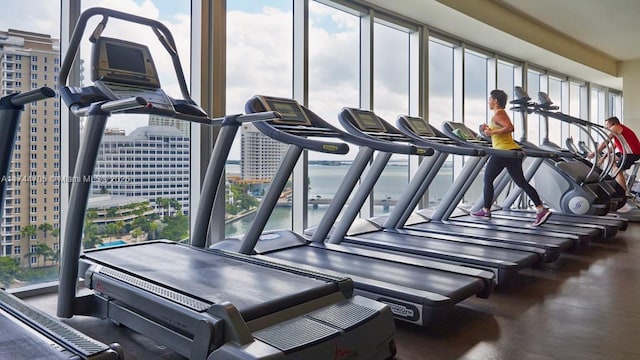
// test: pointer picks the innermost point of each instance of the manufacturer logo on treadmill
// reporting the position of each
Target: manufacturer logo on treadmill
(403, 310)
(330, 147)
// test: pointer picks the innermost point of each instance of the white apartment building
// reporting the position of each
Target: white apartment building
(151, 162)
(260, 155)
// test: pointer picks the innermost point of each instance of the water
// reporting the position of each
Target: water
(325, 179)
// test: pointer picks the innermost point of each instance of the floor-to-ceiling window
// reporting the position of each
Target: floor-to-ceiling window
(334, 83)
(441, 81)
(141, 186)
(535, 123)
(558, 93)
(476, 77)
(259, 62)
(390, 98)
(30, 59)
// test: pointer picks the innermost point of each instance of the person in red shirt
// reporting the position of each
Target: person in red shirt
(622, 162)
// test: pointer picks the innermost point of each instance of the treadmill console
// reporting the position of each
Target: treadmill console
(420, 127)
(123, 69)
(462, 131)
(292, 113)
(366, 121)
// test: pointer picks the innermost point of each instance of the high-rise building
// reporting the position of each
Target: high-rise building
(261, 155)
(151, 162)
(28, 61)
(182, 125)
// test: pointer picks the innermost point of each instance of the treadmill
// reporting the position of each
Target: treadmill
(504, 259)
(26, 332)
(448, 206)
(401, 219)
(418, 290)
(405, 218)
(200, 303)
(573, 190)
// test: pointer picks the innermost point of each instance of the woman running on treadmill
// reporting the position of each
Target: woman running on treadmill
(500, 130)
(617, 129)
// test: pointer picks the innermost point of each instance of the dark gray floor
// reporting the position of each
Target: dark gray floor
(584, 307)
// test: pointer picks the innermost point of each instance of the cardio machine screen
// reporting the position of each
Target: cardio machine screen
(368, 121)
(420, 127)
(123, 62)
(125, 58)
(292, 113)
(463, 130)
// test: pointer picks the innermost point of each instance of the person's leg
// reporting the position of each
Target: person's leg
(515, 171)
(491, 171)
(514, 168)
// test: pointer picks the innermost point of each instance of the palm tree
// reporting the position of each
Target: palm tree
(56, 234)
(45, 228)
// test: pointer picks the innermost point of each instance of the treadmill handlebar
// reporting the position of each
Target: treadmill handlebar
(160, 30)
(261, 116)
(112, 106)
(42, 93)
(449, 148)
(390, 140)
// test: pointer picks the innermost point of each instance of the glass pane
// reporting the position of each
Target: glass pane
(440, 109)
(507, 82)
(475, 104)
(256, 65)
(29, 59)
(391, 98)
(140, 188)
(334, 83)
(556, 128)
(534, 120)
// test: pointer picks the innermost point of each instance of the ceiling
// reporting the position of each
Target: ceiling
(612, 27)
(603, 32)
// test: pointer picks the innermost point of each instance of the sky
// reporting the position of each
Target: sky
(259, 54)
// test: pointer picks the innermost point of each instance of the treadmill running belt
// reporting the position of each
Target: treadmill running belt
(210, 277)
(17, 341)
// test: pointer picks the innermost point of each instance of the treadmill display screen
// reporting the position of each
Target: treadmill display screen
(123, 62)
(125, 58)
(463, 130)
(368, 121)
(290, 110)
(420, 127)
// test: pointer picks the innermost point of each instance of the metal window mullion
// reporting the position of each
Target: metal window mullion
(366, 83)
(299, 196)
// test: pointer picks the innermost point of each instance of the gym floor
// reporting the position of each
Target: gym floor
(583, 307)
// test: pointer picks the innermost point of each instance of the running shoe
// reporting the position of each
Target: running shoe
(542, 217)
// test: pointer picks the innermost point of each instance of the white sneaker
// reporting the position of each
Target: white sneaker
(625, 208)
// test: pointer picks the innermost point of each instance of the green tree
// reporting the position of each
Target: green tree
(9, 269)
(176, 229)
(28, 231)
(136, 233)
(45, 228)
(56, 237)
(164, 204)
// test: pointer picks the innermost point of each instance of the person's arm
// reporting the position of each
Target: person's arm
(615, 130)
(501, 119)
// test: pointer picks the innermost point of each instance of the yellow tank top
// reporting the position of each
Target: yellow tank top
(502, 141)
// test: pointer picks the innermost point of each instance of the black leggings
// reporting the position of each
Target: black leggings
(514, 167)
